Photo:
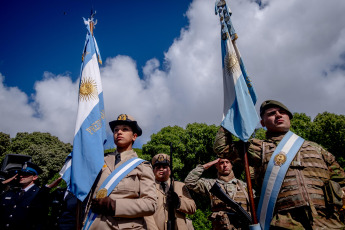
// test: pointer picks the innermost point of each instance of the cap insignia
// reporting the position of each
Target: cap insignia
(122, 117)
(160, 158)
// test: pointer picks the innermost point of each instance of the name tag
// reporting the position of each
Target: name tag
(8, 198)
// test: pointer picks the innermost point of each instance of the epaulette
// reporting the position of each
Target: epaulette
(106, 154)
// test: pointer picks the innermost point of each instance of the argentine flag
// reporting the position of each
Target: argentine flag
(239, 114)
(87, 158)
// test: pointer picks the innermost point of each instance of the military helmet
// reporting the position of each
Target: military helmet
(124, 119)
(272, 103)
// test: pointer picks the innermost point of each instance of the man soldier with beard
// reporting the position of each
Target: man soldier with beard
(222, 217)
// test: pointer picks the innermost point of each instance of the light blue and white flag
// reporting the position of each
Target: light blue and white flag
(87, 159)
(239, 114)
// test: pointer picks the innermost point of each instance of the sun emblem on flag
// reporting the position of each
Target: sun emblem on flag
(231, 63)
(88, 89)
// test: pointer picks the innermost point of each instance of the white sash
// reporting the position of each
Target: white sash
(274, 176)
(110, 183)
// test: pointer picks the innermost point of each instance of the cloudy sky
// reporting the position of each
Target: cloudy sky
(162, 63)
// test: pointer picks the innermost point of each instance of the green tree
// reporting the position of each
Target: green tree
(329, 131)
(46, 150)
(260, 133)
(302, 125)
(190, 146)
(5, 142)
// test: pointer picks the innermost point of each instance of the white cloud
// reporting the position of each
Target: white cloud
(293, 50)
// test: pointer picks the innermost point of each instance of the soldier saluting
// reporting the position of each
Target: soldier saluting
(292, 173)
(222, 217)
(27, 207)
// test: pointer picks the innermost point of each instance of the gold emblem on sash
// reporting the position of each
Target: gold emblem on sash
(280, 159)
(101, 193)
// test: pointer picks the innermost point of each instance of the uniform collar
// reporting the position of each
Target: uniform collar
(110, 158)
(27, 188)
(273, 136)
(232, 181)
(229, 177)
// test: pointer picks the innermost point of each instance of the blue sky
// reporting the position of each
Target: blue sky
(44, 36)
(162, 60)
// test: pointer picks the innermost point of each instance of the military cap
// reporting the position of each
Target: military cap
(124, 119)
(161, 158)
(29, 167)
(272, 103)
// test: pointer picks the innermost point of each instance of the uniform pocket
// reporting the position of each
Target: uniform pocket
(130, 182)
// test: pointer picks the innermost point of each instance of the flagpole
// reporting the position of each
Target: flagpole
(239, 114)
(249, 184)
(77, 214)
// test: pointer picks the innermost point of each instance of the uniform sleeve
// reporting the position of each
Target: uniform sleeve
(225, 147)
(146, 203)
(194, 181)
(336, 172)
(187, 203)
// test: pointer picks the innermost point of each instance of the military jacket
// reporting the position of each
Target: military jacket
(26, 211)
(135, 195)
(235, 189)
(304, 180)
(159, 220)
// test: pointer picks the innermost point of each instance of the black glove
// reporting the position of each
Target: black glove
(172, 198)
(105, 206)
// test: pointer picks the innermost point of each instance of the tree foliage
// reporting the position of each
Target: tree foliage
(5, 142)
(46, 150)
(190, 146)
(329, 130)
(302, 125)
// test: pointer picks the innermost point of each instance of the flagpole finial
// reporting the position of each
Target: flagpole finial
(92, 23)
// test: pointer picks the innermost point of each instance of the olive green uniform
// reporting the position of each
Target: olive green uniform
(300, 203)
(235, 189)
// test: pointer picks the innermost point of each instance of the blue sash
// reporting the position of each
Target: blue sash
(111, 181)
(274, 176)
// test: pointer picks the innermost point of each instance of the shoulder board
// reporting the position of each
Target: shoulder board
(106, 154)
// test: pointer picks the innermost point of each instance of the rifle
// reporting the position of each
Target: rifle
(217, 191)
(171, 209)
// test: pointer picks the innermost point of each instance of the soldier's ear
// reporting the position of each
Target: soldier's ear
(35, 177)
(134, 136)
(262, 123)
